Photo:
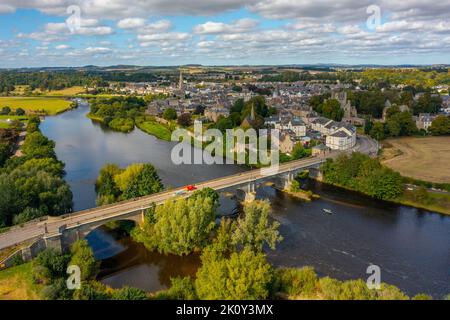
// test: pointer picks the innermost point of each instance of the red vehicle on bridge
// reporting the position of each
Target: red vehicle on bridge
(191, 187)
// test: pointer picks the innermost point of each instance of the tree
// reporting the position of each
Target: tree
(36, 145)
(331, 109)
(5, 110)
(49, 265)
(184, 120)
(92, 290)
(83, 257)
(20, 112)
(428, 103)
(199, 109)
(295, 281)
(178, 226)
(129, 293)
(170, 114)
(377, 131)
(299, 151)
(243, 275)
(180, 289)
(254, 229)
(136, 180)
(440, 126)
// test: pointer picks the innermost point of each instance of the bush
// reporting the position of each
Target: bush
(92, 290)
(296, 282)
(57, 291)
(422, 296)
(83, 257)
(329, 288)
(129, 293)
(50, 264)
(181, 289)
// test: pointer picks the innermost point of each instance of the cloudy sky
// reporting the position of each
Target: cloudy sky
(223, 32)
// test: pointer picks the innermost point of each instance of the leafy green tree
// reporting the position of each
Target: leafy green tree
(5, 110)
(428, 103)
(185, 120)
(170, 114)
(92, 290)
(20, 112)
(179, 226)
(49, 265)
(362, 173)
(422, 296)
(83, 257)
(136, 180)
(440, 126)
(243, 275)
(377, 131)
(255, 229)
(129, 293)
(331, 109)
(295, 281)
(36, 145)
(180, 289)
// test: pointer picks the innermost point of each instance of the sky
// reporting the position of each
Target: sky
(37, 33)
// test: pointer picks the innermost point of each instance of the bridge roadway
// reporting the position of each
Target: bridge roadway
(37, 230)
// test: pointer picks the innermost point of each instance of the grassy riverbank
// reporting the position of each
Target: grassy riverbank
(156, 129)
(16, 283)
(439, 203)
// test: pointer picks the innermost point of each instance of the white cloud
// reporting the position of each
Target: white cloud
(131, 23)
(62, 47)
(97, 50)
(242, 25)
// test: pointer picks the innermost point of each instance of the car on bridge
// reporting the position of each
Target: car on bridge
(191, 187)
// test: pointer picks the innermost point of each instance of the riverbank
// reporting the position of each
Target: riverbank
(405, 201)
(154, 128)
(305, 195)
(17, 283)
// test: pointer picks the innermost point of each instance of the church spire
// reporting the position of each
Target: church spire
(252, 114)
(180, 82)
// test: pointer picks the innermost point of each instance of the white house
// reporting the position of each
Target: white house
(295, 124)
(343, 138)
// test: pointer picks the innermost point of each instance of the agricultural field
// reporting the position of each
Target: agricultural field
(50, 106)
(72, 91)
(424, 158)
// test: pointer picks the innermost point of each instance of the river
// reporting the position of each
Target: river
(412, 247)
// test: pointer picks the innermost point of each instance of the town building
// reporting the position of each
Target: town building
(424, 121)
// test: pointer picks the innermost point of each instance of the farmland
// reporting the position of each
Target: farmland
(50, 106)
(424, 159)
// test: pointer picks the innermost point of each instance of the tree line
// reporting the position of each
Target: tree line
(32, 185)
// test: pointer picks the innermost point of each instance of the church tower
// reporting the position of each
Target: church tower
(180, 82)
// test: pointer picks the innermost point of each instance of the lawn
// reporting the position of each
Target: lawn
(156, 129)
(50, 106)
(16, 283)
(4, 124)
(424, 158)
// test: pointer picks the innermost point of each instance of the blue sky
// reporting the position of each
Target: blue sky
(223, 32)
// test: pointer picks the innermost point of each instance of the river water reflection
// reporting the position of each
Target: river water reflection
(412, 247)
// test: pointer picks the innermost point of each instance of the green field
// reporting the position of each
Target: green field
(17, 283)
(4, 124)
(50, 106)
(156, 129)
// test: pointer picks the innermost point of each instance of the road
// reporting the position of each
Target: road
(35, 230)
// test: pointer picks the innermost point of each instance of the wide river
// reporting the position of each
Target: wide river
(411, 246)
